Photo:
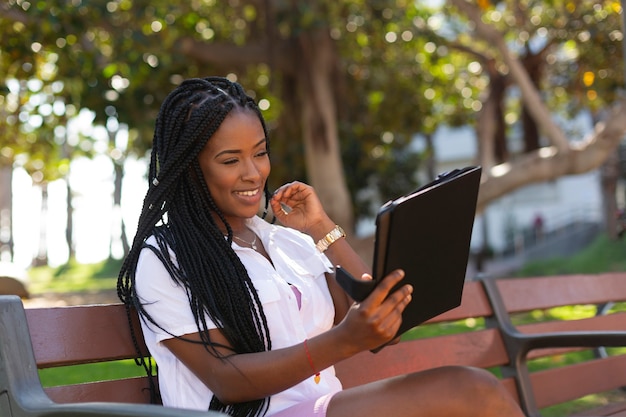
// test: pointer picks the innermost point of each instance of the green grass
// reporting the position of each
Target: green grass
(77, 374)
(601, 256)
(74, 277)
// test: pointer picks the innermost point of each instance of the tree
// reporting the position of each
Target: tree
(560, 156)
(354, 79)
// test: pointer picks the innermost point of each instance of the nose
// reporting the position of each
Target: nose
(250, 171)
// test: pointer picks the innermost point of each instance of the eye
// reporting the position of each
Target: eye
(230, 161)
(262, 153)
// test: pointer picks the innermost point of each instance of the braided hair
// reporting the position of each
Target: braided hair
(180, 213)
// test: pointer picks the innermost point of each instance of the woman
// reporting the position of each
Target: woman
(245, 317)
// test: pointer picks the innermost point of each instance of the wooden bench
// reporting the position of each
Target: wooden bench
(64, 336)
(501, 346)
(75, 335)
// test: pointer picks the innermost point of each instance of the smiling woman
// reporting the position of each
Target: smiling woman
(244, 316)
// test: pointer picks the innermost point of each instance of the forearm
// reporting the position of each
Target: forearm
(339, 252)
(245, 377)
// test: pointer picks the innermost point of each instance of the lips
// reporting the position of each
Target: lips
(247, 197)
(250, 193)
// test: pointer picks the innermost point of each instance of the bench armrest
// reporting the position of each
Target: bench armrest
(590, 339)
(21, 394)
(112, 410)
(518, 344)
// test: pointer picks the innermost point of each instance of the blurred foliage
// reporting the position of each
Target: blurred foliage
(404, 68)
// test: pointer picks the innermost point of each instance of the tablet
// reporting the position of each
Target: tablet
(426, 233)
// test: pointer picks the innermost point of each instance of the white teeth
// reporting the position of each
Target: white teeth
(248, 193)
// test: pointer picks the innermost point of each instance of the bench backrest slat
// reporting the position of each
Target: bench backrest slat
(483, 348)
(474, 303)
(480, 348)
(525, 294)
(81, 334)
(558, 385)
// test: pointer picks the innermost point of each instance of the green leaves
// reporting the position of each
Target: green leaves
(404, 67)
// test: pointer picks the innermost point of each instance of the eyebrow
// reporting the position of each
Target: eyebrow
(237, 151)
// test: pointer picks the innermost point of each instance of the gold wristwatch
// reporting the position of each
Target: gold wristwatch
(330, 238)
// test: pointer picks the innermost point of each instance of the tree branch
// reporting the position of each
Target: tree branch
(530, 95)
(230, 54)
(547, 164)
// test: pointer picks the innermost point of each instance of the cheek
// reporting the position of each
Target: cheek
(219, 185)
(265, 167)
(215, 179)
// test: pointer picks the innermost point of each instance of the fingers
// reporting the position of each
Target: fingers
(394, 341)
(382, 290)
(296, 205)
(287, 199)
(366, 277)
(389, 313)
(380, 315)
(293, 191)
(279, 209)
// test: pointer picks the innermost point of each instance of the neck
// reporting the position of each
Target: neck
(240, 230)
(237, 225)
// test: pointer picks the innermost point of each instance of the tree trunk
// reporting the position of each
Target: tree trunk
(6, 212)
(609, 175)
(69, 206)
(490, 127)
(69, 227)
(117, 207)
(431, 158)
(319, 125)
(533, 64)
(42, 252)
(497, 85)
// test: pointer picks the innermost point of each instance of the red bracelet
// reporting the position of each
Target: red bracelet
(317, 377)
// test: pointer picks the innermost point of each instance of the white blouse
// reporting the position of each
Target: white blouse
(296, 262)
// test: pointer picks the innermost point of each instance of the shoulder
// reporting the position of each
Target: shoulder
(154, 265)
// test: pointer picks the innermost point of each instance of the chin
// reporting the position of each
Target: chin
(251, 213)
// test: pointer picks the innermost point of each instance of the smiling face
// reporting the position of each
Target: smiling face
(235, 164)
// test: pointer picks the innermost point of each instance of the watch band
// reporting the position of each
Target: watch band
(330, 238)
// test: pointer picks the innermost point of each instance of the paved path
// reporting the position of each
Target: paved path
(70, 299)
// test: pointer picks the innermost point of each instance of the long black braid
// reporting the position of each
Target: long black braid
(178, 211)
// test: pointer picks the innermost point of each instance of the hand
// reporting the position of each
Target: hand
(305, 212)
(375, 321)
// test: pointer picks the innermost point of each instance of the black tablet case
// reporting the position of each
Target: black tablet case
(427, 233)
